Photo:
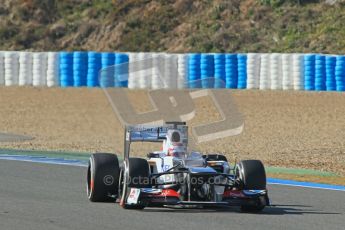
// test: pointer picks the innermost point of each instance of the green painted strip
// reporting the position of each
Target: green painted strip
(294, 171)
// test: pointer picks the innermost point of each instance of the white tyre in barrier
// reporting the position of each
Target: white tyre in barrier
(162, 68)
(287, 81)
(264, 79)
(158, 70)
(253, 71)
(145, 70)
(52, 69)
(297, 71)
(166, 62)
(170, 71)
(182, 63)
(11, 65)
(174, 71)
(25, 68)
(133, 79)
(2, 72)
(157, 75)
(39, 69)
(275, 71)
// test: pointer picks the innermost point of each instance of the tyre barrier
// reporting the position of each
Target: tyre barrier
(162, 70)
(286, 73)
(340, 73)
(121, 70)
(133, 79)
(330, 73)
(309, 72)
(157, 82)
(253, 68)
(80, 69)
(2, 72)
(219, 71)
(297, 72)
(231, 71)
(144, 77)
(275, 73)
(265, 78)
(11, 67)
(39, 69)
(107, 73)
(25, 68)
(194, 70)
(207, 71)
(53, 78)
(320, 72)
(66, 69)
(94, 66)
(170, 68)
(242, 71)
(182, 67)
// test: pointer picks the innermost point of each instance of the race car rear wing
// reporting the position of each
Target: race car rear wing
(146, 133)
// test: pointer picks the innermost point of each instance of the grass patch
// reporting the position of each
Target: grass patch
(198, 26)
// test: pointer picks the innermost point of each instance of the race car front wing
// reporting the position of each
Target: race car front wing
(169, 197)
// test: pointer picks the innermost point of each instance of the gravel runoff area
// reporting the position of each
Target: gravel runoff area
(282, 128)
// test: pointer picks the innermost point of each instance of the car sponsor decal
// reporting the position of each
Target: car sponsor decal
(133, 196)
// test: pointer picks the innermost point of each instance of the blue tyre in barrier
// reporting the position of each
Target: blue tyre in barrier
(330, 73)
(231, 76)
(94, 67)
(242, 71)
(66, 69)
(194, 71)
(309, 72)
(79, 69)
(107, 72)
(207, 70)
(219, 71)
(320, 72)
(340, 73)
(121, 70)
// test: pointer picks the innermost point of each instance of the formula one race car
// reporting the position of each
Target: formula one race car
(174, 178)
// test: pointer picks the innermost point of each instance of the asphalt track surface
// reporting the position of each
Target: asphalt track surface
(44, 196)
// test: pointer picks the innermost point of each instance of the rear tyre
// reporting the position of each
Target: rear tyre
(134, 174)
(252, 176)
(102, 177)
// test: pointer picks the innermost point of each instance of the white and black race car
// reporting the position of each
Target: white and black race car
(172, 177)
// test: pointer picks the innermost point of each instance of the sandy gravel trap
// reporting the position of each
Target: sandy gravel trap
(282, 128)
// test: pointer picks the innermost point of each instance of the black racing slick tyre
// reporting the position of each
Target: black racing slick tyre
(252, 176)
(102, 177)
(134, 174)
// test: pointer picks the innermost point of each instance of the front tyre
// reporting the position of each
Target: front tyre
(252, 176)
(134, 174)
(102, 177)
